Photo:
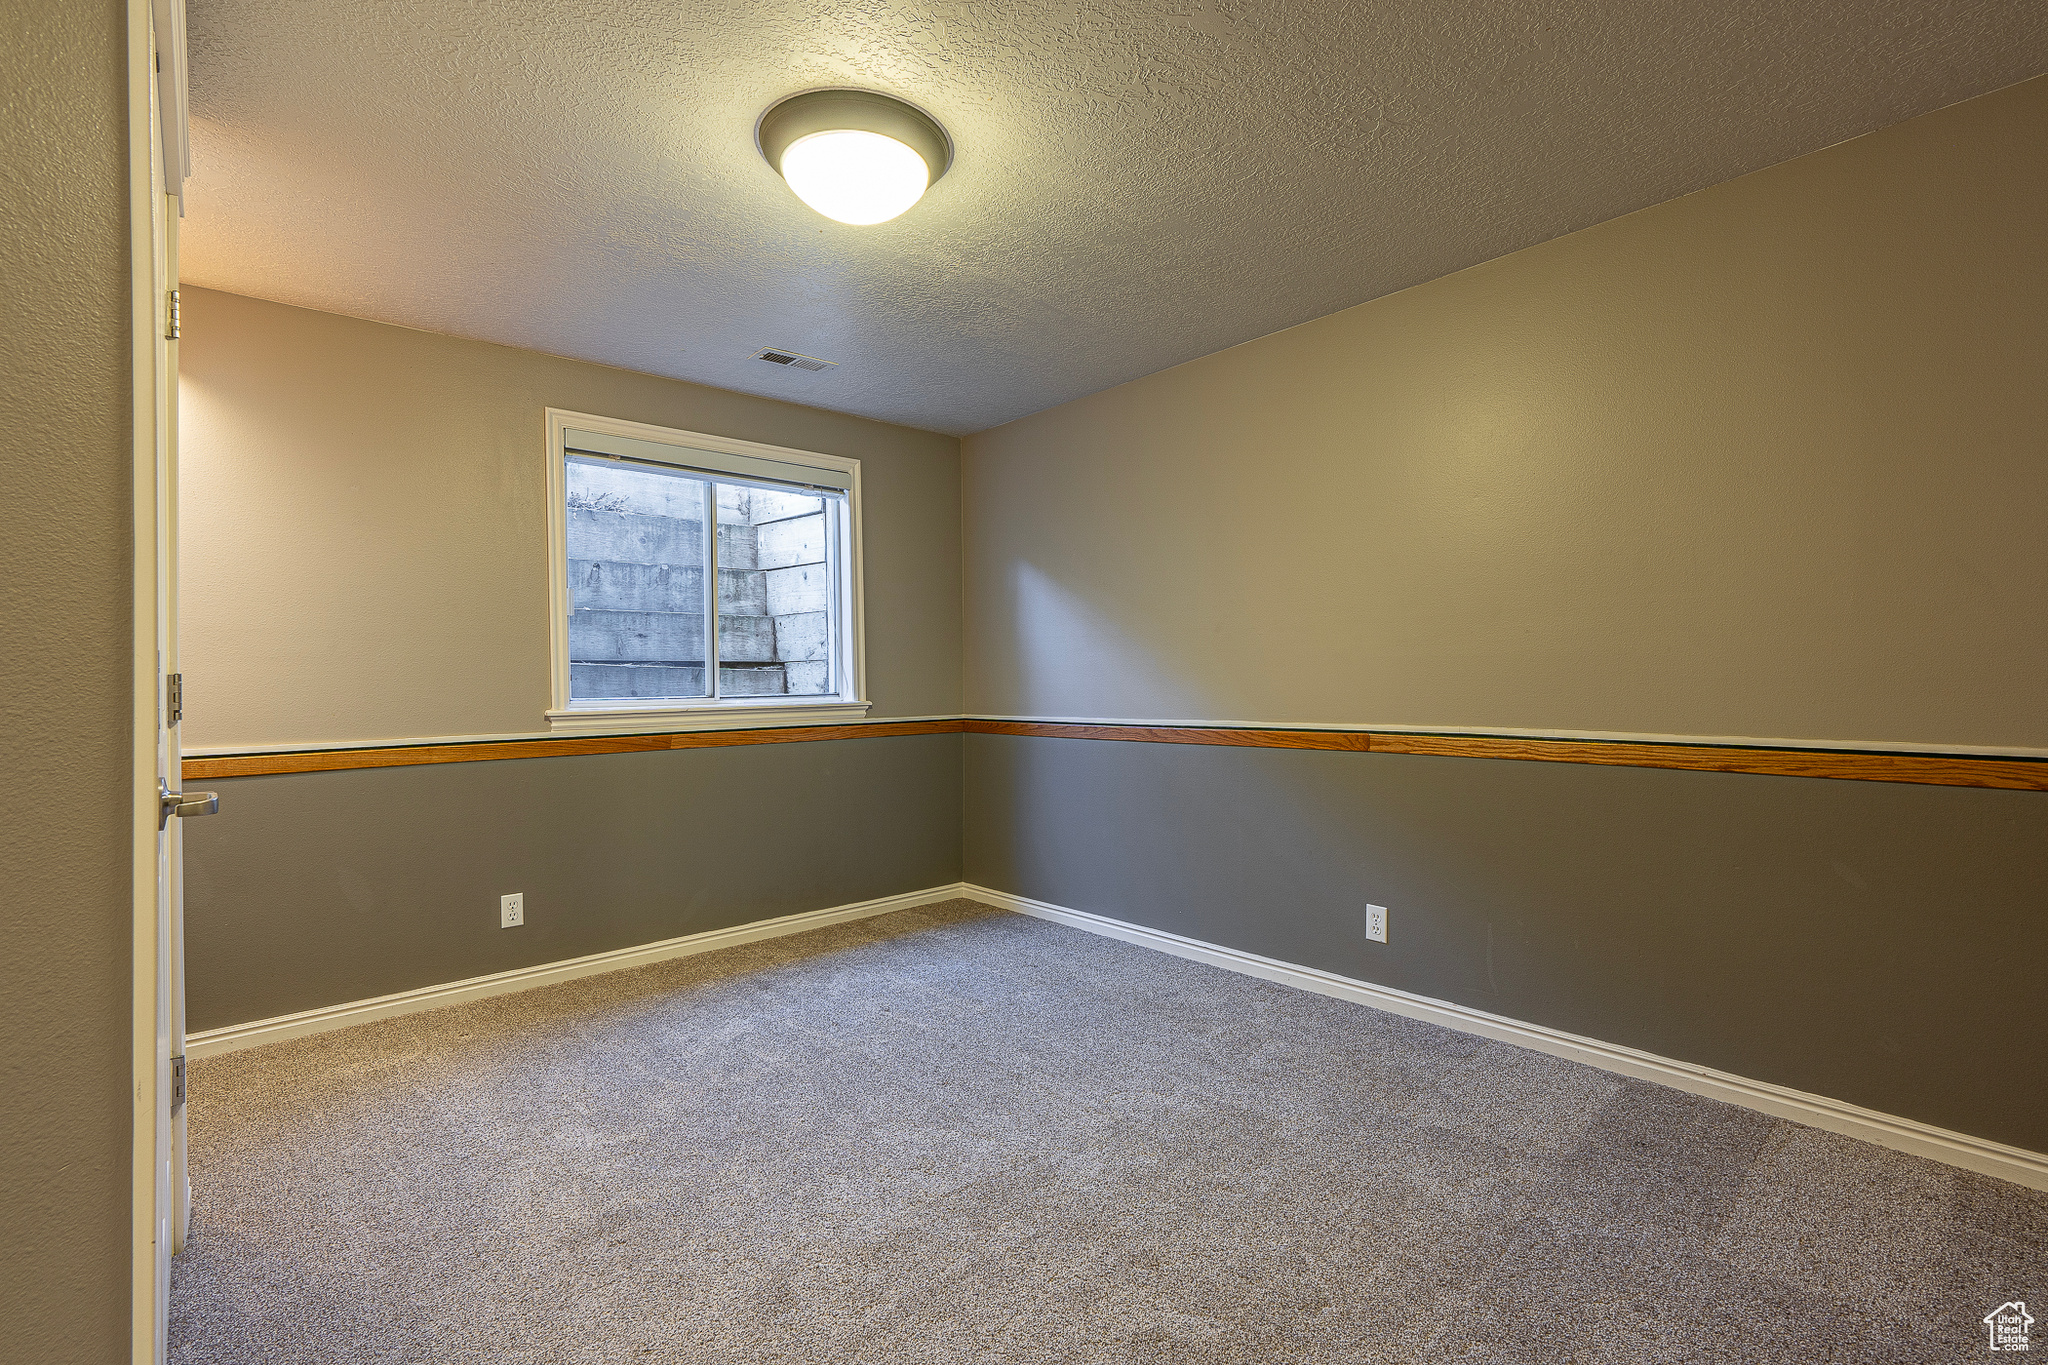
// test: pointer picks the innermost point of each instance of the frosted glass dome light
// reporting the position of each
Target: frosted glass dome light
(856, 156)
(853, 176)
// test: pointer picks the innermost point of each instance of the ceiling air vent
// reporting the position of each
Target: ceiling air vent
(794, 361)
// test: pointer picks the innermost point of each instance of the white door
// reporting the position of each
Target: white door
(157, 167)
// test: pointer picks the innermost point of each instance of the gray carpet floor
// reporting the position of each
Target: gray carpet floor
(957, 1134)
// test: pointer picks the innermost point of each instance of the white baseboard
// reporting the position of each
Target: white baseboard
(215, 1042)
(2016, 1164)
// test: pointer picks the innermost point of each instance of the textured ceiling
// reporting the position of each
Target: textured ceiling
(1138, 182)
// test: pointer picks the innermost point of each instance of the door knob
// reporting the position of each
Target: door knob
(182, 804)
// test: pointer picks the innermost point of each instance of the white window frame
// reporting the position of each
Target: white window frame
(614, 715)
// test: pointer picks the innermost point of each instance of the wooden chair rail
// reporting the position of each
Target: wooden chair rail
(414, 755)
(1948, 770)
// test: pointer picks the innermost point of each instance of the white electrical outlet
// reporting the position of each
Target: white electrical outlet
(1376, 923)
(512, 910)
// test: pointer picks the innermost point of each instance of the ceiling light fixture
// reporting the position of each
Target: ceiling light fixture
(853, 155)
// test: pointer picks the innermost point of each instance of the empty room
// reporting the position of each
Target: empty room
(1098, 681)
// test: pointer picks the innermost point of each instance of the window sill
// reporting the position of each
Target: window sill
(667, 718)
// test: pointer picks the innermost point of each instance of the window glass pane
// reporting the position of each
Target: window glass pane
(776, 591)
(636, 582)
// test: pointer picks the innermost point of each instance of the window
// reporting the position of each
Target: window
(699, 581)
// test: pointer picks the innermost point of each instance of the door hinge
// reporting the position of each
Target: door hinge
(177, 1084)
(171, 317)
(174, 699)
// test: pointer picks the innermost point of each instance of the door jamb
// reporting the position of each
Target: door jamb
(148, 298)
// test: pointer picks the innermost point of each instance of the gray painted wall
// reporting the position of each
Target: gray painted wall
(1765, 461)
(314, 889)
(1869, 941)
(364, 550)
(361, 570)
(64, 685)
